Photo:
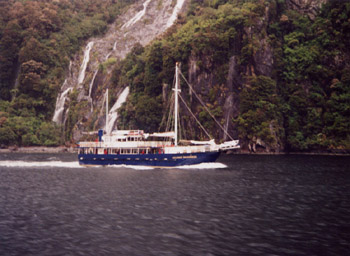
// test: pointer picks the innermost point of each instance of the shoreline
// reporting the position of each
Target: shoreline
(39, 149)
(281, 153)
(289, 153)
(64, 149)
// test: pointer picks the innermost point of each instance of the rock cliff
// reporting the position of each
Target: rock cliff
(308, 7)
(90, 71)
(259, 67)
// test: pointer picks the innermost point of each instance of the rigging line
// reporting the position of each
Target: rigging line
(200, 100)
(179, 124)
(163, 119)
(171, 109)
(195, 117)
(170, 114)
(182, 127)
(103, 103)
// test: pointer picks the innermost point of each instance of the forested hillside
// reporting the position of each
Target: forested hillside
(37, 40)
(275, 74)
(287, 73)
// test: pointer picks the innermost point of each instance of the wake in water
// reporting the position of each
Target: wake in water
(195, 166)
(40, 164)
(204, 166)
(135, 167)
(75, 164)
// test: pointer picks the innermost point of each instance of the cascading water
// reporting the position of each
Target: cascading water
(68, 85)
(90, 89)
(92, 83)
(113, 113)
(231, 105)
(61, 98)
(138, 15)
(16, 84)
(85, 62)
(176, 11)
(57, 117)
(116, 43)
(108, 55)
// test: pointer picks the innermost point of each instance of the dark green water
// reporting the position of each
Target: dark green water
(243, 205)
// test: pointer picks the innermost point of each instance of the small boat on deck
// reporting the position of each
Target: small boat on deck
(135, 147)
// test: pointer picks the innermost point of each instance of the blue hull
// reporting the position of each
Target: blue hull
(158, 160)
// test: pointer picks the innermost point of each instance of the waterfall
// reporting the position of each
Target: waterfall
(228, 111)
(108, 55)
(92, 82)
(61, 98)
(230, 107)
(85, 62)
(16, 84)
(113, 113)
(138, 15)
(69, 82)
(18, 72)
(90, 89)
(114, 48)
(117, 43)
(176, 11)
(57, 117)
(70, 68)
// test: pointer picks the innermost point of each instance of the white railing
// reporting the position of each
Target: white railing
(125, 144)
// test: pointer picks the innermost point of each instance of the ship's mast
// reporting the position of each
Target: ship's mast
(106, 111)
(176, 111)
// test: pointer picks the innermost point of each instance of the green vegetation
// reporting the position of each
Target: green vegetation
(301, 104)
(292, 73)
(209, 36)
(261, 116)
(37, 39)
(313, 77)
(26, 130)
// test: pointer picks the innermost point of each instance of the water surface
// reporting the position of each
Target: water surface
(243, 205)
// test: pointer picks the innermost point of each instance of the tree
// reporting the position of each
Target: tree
(31, 78)
(7, 136)
(9, 46)
(260, 116)
(153, 68)
(148, 113)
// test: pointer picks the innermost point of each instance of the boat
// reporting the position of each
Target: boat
(158, 149)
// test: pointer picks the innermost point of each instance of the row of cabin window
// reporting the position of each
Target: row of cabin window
(122, 151)
(129, 139)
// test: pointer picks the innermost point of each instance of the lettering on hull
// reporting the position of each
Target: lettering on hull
(184, 157)
(150, 160)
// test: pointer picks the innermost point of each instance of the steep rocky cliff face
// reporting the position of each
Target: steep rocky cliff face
(81, 97)
(280, 80)
(273, 73)
(252, 56)
(309, 7)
